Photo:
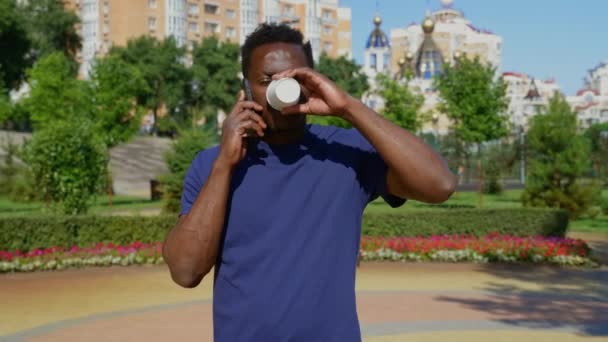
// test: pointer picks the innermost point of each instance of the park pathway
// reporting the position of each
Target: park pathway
(396, 302)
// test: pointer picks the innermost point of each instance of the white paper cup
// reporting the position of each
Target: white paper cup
(283, 93)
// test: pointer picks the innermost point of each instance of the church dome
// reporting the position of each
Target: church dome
(377, 39)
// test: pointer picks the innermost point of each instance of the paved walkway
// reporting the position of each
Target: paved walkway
(396, 302)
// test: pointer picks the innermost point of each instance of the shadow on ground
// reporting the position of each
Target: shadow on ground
(553, 298)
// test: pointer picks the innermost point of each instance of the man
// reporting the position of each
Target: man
(276, 208)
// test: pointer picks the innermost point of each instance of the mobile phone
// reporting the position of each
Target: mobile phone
(247, 90)
(249, 97)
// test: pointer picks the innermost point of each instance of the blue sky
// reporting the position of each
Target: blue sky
(560, 38)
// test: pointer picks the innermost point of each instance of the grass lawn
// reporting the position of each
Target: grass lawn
(101, 205)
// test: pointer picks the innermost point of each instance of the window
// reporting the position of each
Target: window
(106, 8)
(387, 59)
(327, 30)
(327, 46)
(152, 23)
(372, 63)
(152, 3)
(326, 14)
(288, 10)
(193, 9)
(193, 27)
(230, 32)
(230, 14)
(106, 27)
(211, 27)
(211, 9)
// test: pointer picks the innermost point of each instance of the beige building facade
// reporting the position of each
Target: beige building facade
(105, 23)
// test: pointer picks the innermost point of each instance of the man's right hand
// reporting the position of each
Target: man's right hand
(243, 121)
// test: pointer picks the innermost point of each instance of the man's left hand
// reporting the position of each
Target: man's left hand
(322, 96)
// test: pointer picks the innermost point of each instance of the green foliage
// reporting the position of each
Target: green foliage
(5, 108)
(598, 137)
(14, 46)
(215, 69)
(474, 100)
(479, 222)
(497, 161)
(67, 161)
(14, 116)
(31, 232)
(56, 94)
(558, 157)
(179, 159)
(604, 206)
(115, 86)
(52, 28)
(401, 106)
(345, 73)
(348, 76)
(8, 168)
(161, 64)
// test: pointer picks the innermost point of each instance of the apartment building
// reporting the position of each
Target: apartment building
(105, 23)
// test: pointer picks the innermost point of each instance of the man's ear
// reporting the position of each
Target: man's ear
(308, 52)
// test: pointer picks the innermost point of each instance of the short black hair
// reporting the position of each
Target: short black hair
(267, 33)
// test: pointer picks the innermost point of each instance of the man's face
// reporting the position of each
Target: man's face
(267, 60)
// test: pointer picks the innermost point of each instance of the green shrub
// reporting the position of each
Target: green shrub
(604, 206)
(178, 159)
(25, 233)
(521, 222)
(68, 161)
(30, 232)
(593, 212)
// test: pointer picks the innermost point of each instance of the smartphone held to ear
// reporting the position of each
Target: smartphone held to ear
(280, 93)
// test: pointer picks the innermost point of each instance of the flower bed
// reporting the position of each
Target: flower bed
(491, 248)
(57, 258)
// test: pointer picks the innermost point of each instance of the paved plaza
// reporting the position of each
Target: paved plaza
(396, 302)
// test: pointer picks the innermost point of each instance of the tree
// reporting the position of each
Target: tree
(178, 159)
(56, 94)
(52, 28)
(559, 157)
(215, 69)
(161, 63)
(115, 85)
(401, 106)
(68, 162)
(14, 46)
(598, 138)
(348, 76)
(475, 101)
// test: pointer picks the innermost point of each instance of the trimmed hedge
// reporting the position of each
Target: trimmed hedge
(478, 222)
(26, 233)
(31, 232)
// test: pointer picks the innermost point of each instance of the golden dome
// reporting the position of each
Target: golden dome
(401, 61)
(409, 56)
(377, 20)
(457, 54)
(428, 25)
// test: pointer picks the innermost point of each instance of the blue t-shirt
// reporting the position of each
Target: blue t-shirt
(286, 269)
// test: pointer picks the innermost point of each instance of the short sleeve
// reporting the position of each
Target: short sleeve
(373, 171)
(195, 178)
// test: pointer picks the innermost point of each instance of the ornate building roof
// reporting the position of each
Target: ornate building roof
(377, 39)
